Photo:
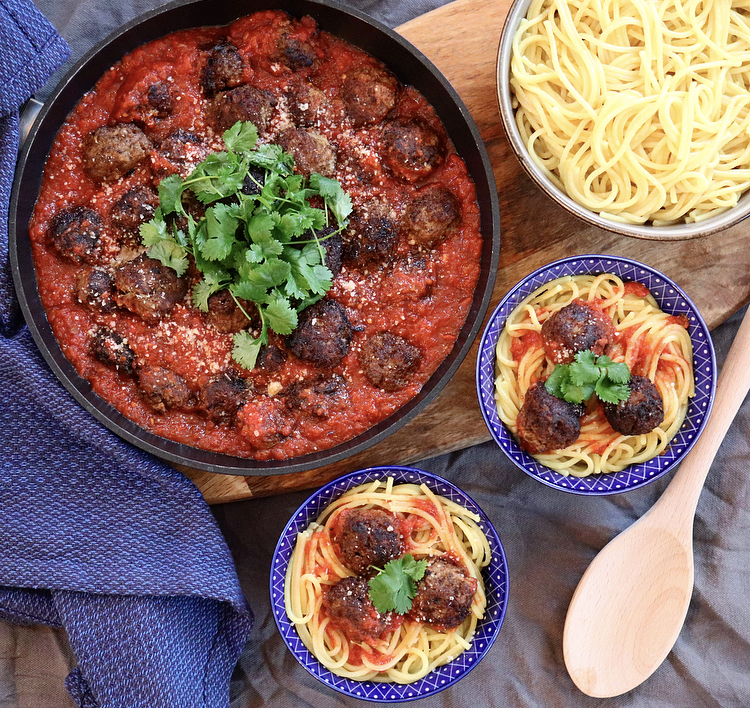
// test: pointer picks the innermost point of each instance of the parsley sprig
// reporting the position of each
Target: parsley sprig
(259, 237)
(578, 381)
(395, 586)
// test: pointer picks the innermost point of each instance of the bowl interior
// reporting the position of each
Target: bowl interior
(495, 580)
(675, 232)
(673, 301)
(407, 63)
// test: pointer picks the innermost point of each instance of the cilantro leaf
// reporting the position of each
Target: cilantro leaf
(395, 586)
(246, 349)
(265, 248)
(578, 381)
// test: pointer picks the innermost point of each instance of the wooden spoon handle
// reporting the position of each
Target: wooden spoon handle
(734, 382)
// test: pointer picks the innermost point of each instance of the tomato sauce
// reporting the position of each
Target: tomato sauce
(422, 294)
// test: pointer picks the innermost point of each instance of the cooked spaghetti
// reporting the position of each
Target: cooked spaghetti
(638, 110)
(652, 343)
(431, 526)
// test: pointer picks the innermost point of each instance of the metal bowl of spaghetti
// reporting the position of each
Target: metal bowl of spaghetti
(393, 656)
(656, 331)
(639, 127)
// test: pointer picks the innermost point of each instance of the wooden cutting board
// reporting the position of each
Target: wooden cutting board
(462, 40)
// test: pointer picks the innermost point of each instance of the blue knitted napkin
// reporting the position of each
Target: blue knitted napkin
(96, 536)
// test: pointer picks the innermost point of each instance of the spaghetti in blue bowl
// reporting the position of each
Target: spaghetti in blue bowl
(657, 331)
(414, 656)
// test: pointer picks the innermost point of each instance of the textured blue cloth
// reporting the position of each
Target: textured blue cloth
(95, 536)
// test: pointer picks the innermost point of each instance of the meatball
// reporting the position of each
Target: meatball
(159, 99)
(75, 233)
(181, 151)
(317, 398)
(369, 94)
(307, 104)
(350, 608)
(112, 349)
(312, 151)
(264, 422)
(547, 423)
(112, 151)
(332, 244)
(225, 315)
(323, 334)
(95, 288)
(431, 216)
(371, 238)
(163, 389)
(147, 288)
(579, 326)
(367, 537)
(388, 361)
(295, 52)
(641, 412)
(411, 148)
(222, 397)
(223, 68)
(245, 103)
(444, 595)
(135, 207)
(271, 358)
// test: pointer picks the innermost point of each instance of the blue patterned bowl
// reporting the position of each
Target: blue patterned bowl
(672, 300)
(495, 581)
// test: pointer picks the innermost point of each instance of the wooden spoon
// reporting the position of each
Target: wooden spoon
(631, 602)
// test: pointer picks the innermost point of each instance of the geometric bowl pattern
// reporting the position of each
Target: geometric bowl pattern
(495, 577)
(672, 300)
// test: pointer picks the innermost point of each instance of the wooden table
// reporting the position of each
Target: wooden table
(462, 40)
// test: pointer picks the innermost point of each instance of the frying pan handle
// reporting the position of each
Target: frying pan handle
(26, 116)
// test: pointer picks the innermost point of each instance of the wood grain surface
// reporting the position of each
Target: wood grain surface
(462, 40)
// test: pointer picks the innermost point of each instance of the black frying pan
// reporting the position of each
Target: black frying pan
(411, 67)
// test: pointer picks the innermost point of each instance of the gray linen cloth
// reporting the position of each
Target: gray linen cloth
(550, 538)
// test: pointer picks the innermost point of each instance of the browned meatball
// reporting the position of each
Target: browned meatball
(371, 237)
(312, 151)
(95, 288)
(579, 326)
(147, 288)
(431, 216)
(547, 423)
(350, 608)
(444, 595)
(411, 148)
(323, 334)
(222, 397)
(112, 349)
(271, 358)
(226, 317)
(131, 210)
(182, 150)
(245, 103)
(265, 422)
(112, 151)
(641, 412)
(367, 537)
(254, 181)
(388, 361)
(307, 105)
(369, 94)
(223, 68)
(163, 389)
(294, 52)
(159, 99)
(317, 398)
(332, 243)
(75, 233)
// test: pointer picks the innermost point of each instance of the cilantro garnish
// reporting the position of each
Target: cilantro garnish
(394, 587)
(260, 238)
(576, 382)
